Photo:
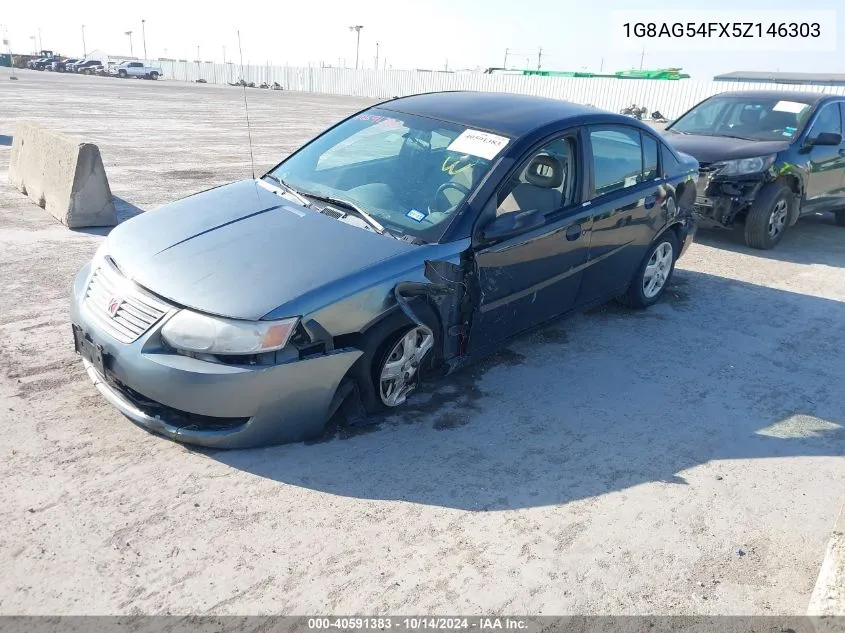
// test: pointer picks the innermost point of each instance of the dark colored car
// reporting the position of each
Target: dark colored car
(88, 66)
(61, 66)
(45, 63)
(411, 237)
(767, 158)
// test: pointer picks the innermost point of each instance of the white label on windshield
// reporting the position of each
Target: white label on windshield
(477, 143)
(790, 106)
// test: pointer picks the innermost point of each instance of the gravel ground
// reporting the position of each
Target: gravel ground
(683, 460)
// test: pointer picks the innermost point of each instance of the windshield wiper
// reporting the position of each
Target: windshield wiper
(375, 224)
(299, 197)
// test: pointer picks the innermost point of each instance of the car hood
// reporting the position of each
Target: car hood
(712, 149)
(240, 250)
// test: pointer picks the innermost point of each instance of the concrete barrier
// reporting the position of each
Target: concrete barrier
(62, 175)
(828, 597)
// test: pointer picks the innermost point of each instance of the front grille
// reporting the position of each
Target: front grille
(137, 311)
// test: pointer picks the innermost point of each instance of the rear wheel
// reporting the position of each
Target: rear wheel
(654, 273)
(768, 217)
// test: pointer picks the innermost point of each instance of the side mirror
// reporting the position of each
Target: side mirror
(512, 224)
(824, 138)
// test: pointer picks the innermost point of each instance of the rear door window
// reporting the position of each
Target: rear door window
(617, 158)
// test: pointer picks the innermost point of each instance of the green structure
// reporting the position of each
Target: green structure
(667, 74)
(5, 60)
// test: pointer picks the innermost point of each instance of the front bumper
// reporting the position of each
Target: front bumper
(206, 403)
(719, 201)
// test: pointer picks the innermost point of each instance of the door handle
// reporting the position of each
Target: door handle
(573, 232)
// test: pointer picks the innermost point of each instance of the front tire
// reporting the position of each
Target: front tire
(153, 76)
(768, 217)
(121, 74)
(397, 372)
(654, 273)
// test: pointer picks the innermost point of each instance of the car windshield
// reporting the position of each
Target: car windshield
(412, 174)
(753, 118)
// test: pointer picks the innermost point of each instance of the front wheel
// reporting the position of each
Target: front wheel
(397, 371)
(153, 75)
(122, 74)
(654, 273)
(768, 217)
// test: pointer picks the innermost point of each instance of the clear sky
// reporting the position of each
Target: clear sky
(410, 33)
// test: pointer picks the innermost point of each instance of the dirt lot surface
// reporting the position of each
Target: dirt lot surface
(685, 459)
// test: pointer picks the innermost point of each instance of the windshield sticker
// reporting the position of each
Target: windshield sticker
(377, 118)
(477, 143)
(790, 106)
(789, 131)
(416, 216)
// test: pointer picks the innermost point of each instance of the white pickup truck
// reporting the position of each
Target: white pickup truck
(135, 69)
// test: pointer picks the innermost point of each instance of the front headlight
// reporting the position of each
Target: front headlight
(100, 256)
(193, 332)
(746, 166)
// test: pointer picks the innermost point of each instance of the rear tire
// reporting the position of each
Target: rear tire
(654, 273)
(840, 218)
(768, 217)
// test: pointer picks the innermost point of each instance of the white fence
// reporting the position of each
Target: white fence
(671, 98)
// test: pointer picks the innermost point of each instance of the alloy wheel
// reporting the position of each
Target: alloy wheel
(398, 374)
(657, 270)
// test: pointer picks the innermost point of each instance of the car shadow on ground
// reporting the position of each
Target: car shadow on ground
(5, 140)
(125, 211)
(599, 403)
(815, 239)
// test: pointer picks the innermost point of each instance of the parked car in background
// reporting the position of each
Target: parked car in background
(411, 237)
(767, 158)
(60, 66)
(135, 69)
(88, 66)
(44, 62)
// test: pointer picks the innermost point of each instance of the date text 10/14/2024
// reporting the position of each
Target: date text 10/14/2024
(479, 623)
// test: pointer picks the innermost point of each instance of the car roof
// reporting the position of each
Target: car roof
(505, 113)
(786, 95)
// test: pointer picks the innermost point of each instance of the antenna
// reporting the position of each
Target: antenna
(246, 106)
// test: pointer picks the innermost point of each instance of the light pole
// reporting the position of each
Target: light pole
(34, 44)
(40, 43)
(357, 28)
(129, 34)
(84, 50)
(376, 66)
(144, 36)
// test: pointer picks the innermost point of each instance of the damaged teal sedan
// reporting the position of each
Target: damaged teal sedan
(403, 242)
